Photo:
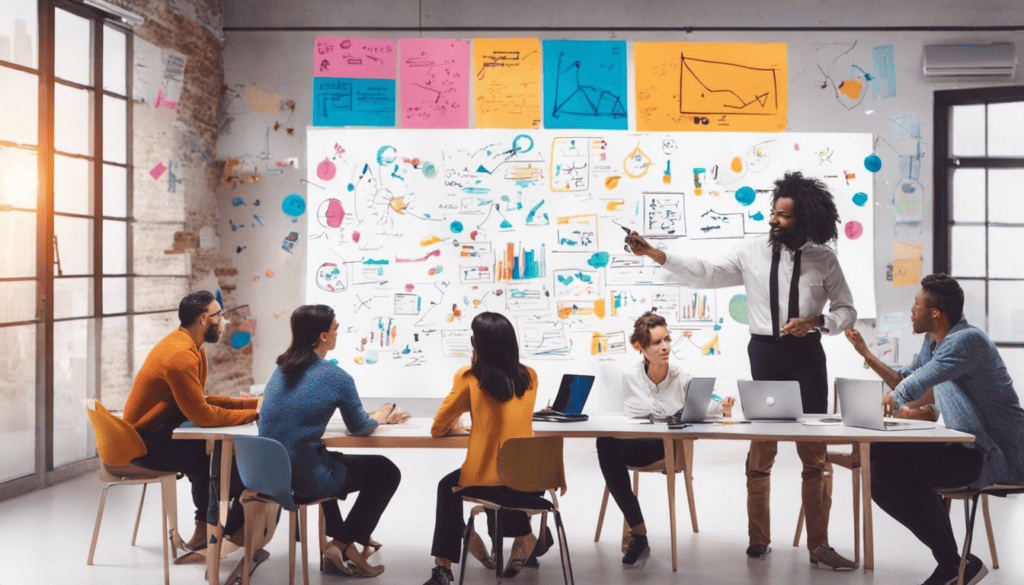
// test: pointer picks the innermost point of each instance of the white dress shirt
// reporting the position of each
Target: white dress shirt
(750, 262)
(642, 397)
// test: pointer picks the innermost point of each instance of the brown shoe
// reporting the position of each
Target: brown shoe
(349, 562)
(198, 540)
(826, 556)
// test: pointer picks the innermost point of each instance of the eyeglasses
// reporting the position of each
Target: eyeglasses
(217, 314)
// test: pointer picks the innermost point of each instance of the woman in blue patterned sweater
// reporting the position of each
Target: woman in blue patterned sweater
(300, 398)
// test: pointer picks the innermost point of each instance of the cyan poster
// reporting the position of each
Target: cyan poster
(585, 85)
(346, 101)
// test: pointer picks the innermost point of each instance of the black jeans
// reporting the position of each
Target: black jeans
(376, 479)
(450, 525)
(613, 455)
(163, 453)
(903, 476)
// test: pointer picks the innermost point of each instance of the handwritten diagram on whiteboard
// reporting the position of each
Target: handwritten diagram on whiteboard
(414, 232)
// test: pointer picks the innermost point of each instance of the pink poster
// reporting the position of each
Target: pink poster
(435, 83)
(359, 58)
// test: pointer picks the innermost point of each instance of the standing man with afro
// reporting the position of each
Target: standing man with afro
(789, 275)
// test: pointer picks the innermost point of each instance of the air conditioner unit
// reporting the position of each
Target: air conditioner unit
(990, 61)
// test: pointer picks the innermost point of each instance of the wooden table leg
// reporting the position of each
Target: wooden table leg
(217, 536)
(670, 475)
(865, 477)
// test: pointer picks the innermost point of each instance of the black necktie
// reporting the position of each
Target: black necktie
(794, 292)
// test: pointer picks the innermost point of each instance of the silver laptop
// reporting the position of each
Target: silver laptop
(698, 397)
(861, 405)
(770, 400)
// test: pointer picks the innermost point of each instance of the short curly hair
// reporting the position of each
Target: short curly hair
(815, 209)
(944, 293)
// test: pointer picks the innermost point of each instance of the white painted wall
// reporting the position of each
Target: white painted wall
(280, 61)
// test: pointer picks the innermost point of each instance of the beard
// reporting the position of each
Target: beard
(212, 333)
(784, 237)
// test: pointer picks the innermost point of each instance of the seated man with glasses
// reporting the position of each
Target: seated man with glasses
(169, 389)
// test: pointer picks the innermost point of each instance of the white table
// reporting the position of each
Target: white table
(416, 434)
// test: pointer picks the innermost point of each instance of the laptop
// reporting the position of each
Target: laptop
(568, 405)
(861, 405)
(770, 400)
(695, 407)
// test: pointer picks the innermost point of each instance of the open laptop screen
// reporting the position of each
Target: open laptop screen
(573, 393)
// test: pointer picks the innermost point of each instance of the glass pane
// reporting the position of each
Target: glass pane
(968, 124)
(19, 24)
(72, 185)
(19, 178)
(18, 385)
(968, 195)
(149, 330)
(114, 60)
(72, 114)
(115, 295)
(17, 244)
(115, 135)
(1013, 357)
(72, 297)
(159, 293)
(115, 247)
(1006, 195)
(115, 191)
(19, 102)
(974, 303)
(1007, 315)
(17, 301)
(1005, 259)
(74, 245)
(1005, 127)
(967, 251)
(72, 58)
(74, 359)
(116, 373)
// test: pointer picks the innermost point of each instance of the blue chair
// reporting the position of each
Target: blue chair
(266, 473)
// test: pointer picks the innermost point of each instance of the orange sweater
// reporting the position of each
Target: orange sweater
(173, 379)
(493, 423)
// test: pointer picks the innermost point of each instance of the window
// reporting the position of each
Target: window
(65, 225)
(979, 211)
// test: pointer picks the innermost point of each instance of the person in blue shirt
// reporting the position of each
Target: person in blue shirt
(973, 393)
(298, 401)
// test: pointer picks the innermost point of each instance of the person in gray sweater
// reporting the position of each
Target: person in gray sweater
(298, 401)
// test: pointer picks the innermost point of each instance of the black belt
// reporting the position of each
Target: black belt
(812, 337)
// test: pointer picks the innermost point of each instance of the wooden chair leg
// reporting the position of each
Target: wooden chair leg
(163, 538)
(322, 529)
(138, 515)
(291, 547)
(96, 529)
(688, 480)
(600, 515)
(169, 503)
(304, 540)
(253, 510)
(799, 527)
(988, 530)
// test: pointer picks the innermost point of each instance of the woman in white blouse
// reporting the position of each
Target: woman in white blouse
(652, 387)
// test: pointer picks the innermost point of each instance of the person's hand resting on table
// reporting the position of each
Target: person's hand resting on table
(390, 414)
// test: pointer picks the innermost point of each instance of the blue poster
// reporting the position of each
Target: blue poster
(346, 101)
(585, 85)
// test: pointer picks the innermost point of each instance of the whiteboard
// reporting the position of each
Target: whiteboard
(413, 232)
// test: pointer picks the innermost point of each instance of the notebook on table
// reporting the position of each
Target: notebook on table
(861, 404)
(770, 400)
(569, 403)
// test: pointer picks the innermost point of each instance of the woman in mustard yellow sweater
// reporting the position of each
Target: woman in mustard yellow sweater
(499, 393)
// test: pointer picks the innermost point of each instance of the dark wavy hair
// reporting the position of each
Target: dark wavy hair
(642, 328)
(497, 366)
(813, 206)
(308, 322)
(944, 293)
(194, 305)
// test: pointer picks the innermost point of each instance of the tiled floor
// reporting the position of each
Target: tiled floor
(44, 536)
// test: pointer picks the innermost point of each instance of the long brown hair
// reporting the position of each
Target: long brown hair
(308, 322)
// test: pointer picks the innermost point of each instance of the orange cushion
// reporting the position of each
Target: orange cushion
(117, 442)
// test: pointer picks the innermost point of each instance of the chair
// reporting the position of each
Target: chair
(970, 498)
(266, 472)
(118, 444)
(684, 465)
(851, 461)
(528, 464)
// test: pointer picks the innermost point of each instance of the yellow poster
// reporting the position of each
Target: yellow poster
(507, 77)
(730, 87)
(906, 263)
